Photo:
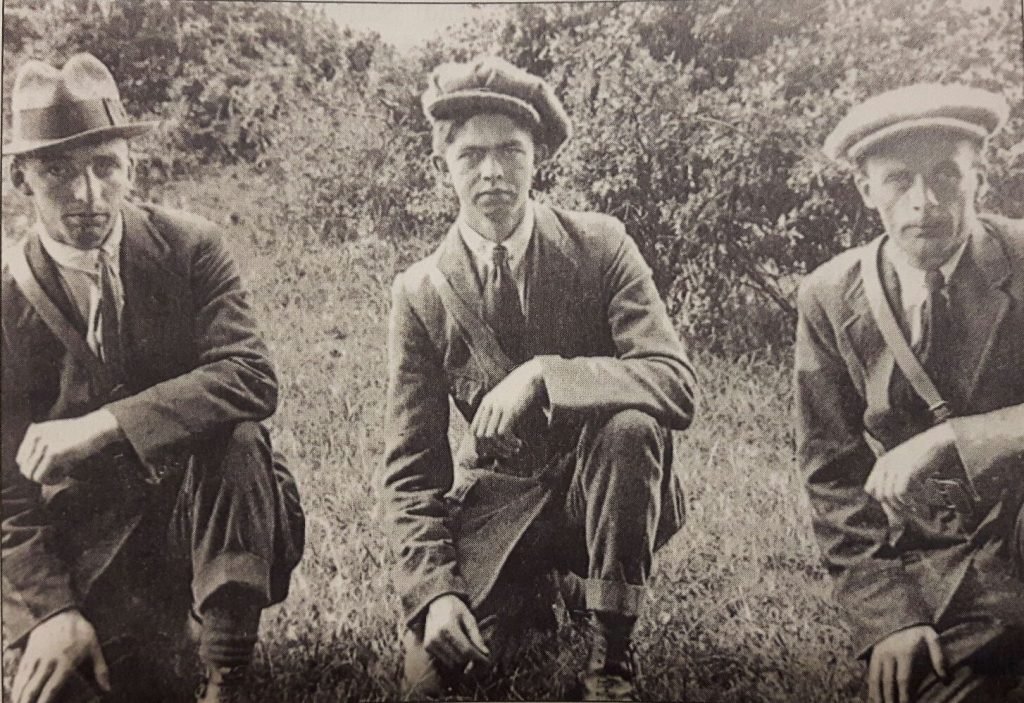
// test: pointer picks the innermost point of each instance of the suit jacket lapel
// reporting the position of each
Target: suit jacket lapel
(981, 303)
(551, 281)
(455, 261)
(47, 274)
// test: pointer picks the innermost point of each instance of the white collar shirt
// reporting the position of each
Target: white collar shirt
(80, 275)
(913, 291)
(516, 245)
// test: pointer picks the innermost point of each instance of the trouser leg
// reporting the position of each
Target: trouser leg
(613, 503)
(232, 521)
(975, 681)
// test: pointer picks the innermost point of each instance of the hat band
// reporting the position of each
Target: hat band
(68, 119)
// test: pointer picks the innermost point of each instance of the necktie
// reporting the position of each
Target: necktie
(501, 301)
(935, 321)
(110, 330)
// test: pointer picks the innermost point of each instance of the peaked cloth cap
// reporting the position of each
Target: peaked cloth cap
(972, 112)
(491, 84)
(60, 108)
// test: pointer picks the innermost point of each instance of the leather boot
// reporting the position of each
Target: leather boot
(612, 672)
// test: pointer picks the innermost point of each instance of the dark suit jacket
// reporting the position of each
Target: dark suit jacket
(951, 569)
(195, 364)
(602, 335)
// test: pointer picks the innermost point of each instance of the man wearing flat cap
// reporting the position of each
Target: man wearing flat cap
(140, 497)
(909, 392)
(545, 329)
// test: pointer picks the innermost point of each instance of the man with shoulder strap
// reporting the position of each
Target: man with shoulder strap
(910, 404)
(545, 328)
(142, 504)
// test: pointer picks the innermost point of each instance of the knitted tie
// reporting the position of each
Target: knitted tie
(110, 330)
(501, 302)
(935, 330)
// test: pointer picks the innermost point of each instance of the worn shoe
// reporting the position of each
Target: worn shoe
(223, 685)
(612, 671)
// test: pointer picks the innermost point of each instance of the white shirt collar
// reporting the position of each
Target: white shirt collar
(84, 260)
(516, 244)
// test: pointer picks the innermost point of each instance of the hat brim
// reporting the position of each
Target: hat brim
(466, 103)
(936, 124)
(124, 131)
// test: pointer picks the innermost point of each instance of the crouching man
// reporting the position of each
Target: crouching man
(141, 498)
(545, 328)
(909, 391)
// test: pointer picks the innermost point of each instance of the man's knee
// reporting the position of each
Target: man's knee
(244, 456)
(628, 442)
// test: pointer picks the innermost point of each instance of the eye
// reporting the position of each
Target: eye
(57, 169)
(104, 167)
(900, 179)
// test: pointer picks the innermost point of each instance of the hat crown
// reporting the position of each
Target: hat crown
(971, 111)
(53, 107)
(492, 84)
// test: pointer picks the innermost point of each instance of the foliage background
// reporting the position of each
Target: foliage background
(698, 123)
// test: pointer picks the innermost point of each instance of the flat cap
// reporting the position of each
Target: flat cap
(958, 108)
(491, 84)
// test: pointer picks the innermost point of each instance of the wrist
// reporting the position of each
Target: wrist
(106, 429)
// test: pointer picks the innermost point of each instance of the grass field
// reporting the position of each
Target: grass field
(739, 607)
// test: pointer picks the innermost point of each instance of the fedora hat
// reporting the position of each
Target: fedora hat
(60, 108)
(491, 84)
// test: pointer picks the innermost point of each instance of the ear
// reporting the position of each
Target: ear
(441, 167)
(864, 188)
(18, 179)
(981, 173)
(541, 152)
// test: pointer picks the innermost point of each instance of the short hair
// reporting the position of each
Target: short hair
(443, 132)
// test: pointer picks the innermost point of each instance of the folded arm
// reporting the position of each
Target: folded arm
(650, 370)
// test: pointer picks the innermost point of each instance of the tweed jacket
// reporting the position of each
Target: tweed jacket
(946, 567)
(605, 342)
(195, 364)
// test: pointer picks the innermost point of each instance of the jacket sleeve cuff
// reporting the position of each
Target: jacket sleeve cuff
(563, 378)
(416, 601)
(21, 618)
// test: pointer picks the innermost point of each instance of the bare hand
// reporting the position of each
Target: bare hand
(54, 650)
(898, 475)
(451, 634)
(892, 663)
(508, 401)
(51, 449)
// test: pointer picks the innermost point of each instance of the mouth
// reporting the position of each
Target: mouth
(87, 219)
(495, 194)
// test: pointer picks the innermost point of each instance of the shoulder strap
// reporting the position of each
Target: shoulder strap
(482, 340)
(893, 335)
(58, 323)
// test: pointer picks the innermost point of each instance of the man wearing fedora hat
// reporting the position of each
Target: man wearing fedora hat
(545, 329)
(137, 482)
(910, 404)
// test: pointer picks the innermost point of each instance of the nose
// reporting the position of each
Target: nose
(490, 168)
(86, 187)
(921, 193)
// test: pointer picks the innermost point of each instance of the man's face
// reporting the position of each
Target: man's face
(78, 192)
(490, 163)
(923, 187)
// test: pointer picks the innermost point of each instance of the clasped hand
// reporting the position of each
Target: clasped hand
(898, 476)
(50, 450)
(506, 403)
(451, 634)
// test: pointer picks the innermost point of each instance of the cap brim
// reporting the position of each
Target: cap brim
(125, 131)
(469, 103)
(937, 124)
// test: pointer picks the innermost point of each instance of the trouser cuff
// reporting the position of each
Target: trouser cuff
(613, 597)
(238, 569)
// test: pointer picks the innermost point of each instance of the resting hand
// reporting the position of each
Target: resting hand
(899, 474)
(451, 634)
(55, 649)
(508, 401)
(51, 449)
(892, 662)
